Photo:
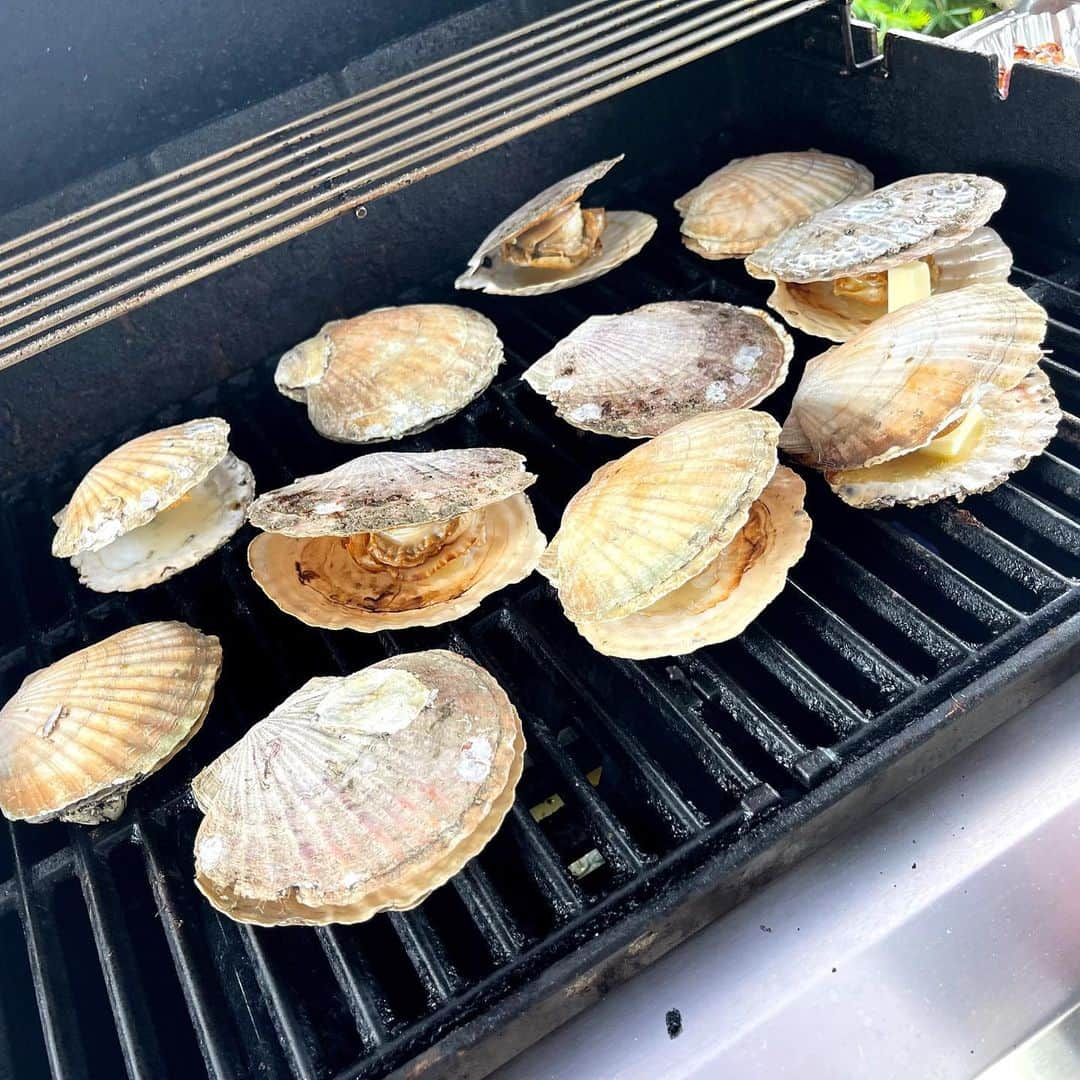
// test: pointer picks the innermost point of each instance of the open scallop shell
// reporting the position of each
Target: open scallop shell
(651, 520)
(79, 734)
(391, 372)
(395, 540)
(750, 201)
(625, 233)
(1016, 426)
(154, 506)
(815, 308)
(894, 387)
(358, 794)
(724, 598)
(640, 373)
(893, 225)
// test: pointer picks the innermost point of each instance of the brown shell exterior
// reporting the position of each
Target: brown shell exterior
(892, 225)
(130, 485)
(317, 581)
(654, 518)
(391, 490)
(750, 201)
(1018, 424)
(393, 371)
(640, 373)
(334, 808)
(722, 601)
(895, 386)
(79, 733)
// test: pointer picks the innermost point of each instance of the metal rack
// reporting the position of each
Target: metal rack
(62, 279)
(704, 764)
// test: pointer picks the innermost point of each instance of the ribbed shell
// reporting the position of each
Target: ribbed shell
(723, 610)
(358, 794)
(624, 235)
(129, 486)
(1017, 426)
(391, 490)
(317, 581)
(652, 519)
(80, 733)
(640, 373)
(391, 372)
(895, 386)
(982, 259)
(896, 224)
(750, 201)
(178, 537)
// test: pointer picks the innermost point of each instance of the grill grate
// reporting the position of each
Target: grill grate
(656, 765)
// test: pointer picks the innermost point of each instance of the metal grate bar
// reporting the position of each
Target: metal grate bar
(63, 1044)
(135, 1026)
(486, 908)
(219, 1050)
(1033, 522)
(556, 886)
(631, 67)
(426, 954)
(356, 981)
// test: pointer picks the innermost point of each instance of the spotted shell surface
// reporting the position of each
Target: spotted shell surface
(640, 373)
(624, 235)
(358, 794)
(750, 201)
(178, 537)
(896, 224)
(649, 521)
(80, 733)
(724, 598)
(391, 372)
(892, 388)
(318, 581)
(391, 490)
(981, 259)
(561, 193)
(132, 484)
(1016, 426)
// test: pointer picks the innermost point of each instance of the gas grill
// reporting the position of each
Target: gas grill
(655, 794)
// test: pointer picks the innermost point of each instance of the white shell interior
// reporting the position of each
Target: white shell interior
(178, 537)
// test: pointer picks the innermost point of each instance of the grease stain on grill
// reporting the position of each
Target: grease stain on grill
(673, 1023)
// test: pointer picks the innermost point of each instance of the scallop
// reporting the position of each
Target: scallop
(671, 532)
(394, 540)
(392, 372)
(640, 373)
(551, 243)
(154, 506)
(830, 272)
(79, 734)
(821, 309)
(941, 398)
(750, 201)
(358, 794)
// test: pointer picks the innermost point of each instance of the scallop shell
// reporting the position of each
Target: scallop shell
(649, 521)
(155, 506)
(317, 565)
(391, 372)
(79, 734)
(358, 794)
(750, 201)
(893, 225)
(392, 490)
(626, 232)
(894, 387)
(982, 259)
(725, 597)
(318, 581)
(640, 373)
(1017, 425)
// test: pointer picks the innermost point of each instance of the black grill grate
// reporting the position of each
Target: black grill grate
(656, 766)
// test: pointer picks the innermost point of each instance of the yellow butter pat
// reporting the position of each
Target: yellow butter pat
(908, 284)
